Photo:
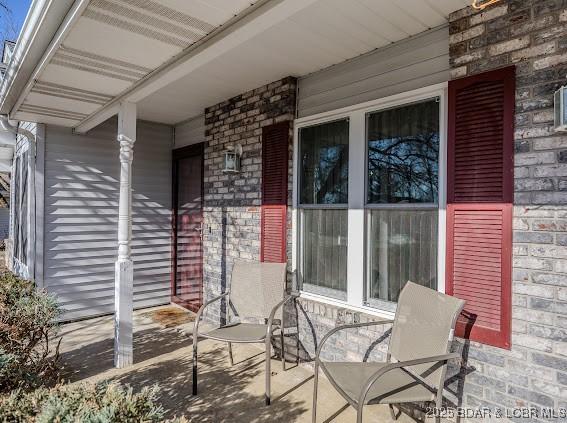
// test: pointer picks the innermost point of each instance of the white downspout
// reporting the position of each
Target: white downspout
(7, 126)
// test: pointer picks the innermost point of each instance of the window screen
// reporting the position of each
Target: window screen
(402, 195)
(323, 194)
(324, 163)
(403, 154)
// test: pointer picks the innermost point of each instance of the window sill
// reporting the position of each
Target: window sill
(342, 304)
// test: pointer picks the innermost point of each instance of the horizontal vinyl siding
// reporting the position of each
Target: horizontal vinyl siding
(81, 217)
(407, 65)
(191, 131)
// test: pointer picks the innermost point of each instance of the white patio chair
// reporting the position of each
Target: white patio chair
(416, 362)
(257, 291)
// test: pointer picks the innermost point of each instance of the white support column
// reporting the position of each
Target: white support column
(124, 268)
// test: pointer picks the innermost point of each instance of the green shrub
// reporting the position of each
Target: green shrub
(102, 403)
(27, 324)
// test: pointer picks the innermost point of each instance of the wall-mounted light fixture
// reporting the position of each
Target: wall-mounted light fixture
(232, 156)
(560, 109)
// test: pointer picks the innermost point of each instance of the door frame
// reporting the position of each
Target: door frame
(177, 154)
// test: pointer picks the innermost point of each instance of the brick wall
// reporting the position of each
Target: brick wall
(532, 35)
(232, 201)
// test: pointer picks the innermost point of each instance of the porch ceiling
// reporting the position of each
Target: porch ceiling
(116, 44)
(112, 45)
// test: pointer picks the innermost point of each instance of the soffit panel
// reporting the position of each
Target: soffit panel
(118, 42)
(324, 34)
(63, 101)
(215, 12)
(78, 79)
(46, 118)
(128, 49)
(113, 45)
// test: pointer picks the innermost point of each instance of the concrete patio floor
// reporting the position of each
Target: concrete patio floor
(226, 394)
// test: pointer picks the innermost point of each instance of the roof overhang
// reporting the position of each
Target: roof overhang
(42, 22)
(176, 57)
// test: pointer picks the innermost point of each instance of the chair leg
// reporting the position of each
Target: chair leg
(230, 357)
(359, 413)
(394, 415)
(438, 404)
(315, 385)
(282, 339)
(297, 347)
(268, 366)
(194, 367)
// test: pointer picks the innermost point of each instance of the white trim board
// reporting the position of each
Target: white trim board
(343, 304)
(369, 106)
(39, 204)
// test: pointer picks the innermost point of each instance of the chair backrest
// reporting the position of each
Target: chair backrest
(423, 327)
(255, 288)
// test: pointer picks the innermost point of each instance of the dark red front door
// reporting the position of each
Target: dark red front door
(187, 283)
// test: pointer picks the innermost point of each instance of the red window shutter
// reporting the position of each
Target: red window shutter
(275, 147)
(479, 269)
(480, 196)
(275, 163)
(273, 234)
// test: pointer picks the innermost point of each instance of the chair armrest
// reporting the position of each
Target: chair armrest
(289, 297)
(348, 326)
(200, 312)
(400, 364)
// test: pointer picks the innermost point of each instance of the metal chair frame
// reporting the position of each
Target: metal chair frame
(271, 327)
(359, 402)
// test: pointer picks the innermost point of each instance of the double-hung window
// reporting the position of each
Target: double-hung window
(323, 197)
(368, 198)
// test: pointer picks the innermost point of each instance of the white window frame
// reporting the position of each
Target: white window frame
(357, 196)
